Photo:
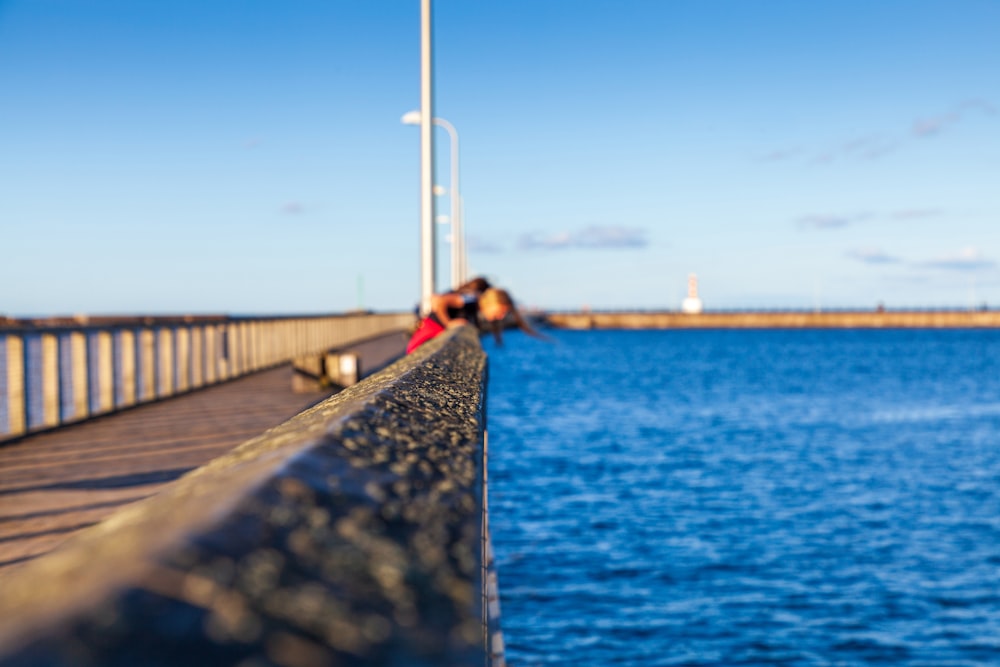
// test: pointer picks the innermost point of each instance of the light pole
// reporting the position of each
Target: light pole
(428, 262)
(457, 233)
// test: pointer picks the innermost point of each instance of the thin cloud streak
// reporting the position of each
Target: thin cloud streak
(594, 237)
(916, 213)
(926, 127)
(967, 259)
(480, 245)
(875, 146)
(871, 255)
(824, 221)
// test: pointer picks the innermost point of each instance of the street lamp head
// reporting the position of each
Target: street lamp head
(411, 118)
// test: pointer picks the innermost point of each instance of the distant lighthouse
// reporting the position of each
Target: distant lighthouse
(692, 304)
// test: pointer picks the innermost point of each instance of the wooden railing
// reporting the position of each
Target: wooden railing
(51, 376)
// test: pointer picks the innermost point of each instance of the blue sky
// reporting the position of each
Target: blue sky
(248, 157)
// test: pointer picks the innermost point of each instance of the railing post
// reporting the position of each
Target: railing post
(105, 364)
(244, 348)
(50, 380)
(127, 357)
(79, 375)
(165, 365)
(147, 361)
(182, 363)
(197, 356)
(211, 354)
(17, 419)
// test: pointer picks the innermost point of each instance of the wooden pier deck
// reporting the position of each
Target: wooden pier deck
(53, 484)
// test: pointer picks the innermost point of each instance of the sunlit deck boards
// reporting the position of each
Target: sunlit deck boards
(55, 483)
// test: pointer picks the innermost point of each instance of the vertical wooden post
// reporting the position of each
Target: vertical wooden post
(50, 380)
(255, 361)
(275, 334)
(79, 374)
(17, 420)
(197, 357)
(147, 363)
(165, 352)
(127, 356)
(232, 351)
(239, 349)
(105, 372)
(225, 351)
(281, 341)
(271, 336)
(211, 354)
(250, 357)
(259, 333)
(183, 365)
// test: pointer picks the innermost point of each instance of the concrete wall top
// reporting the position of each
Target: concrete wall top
(349, 535)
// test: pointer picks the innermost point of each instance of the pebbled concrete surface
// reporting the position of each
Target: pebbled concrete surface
(350, 535)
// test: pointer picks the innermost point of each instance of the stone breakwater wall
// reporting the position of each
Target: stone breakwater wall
(957, 319)
(353, 534)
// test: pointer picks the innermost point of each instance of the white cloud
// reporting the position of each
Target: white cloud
(876, 145)
(915, 213)
(824, 221)
(871, 255)
(481, 245)
(595, 236)
(926, 127)
(967, 259)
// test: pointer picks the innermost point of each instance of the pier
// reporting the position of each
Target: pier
(195, 525)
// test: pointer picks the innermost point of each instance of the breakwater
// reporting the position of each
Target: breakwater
(943, 319)
(353, 534)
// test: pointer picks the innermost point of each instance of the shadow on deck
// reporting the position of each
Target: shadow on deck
(55, 483)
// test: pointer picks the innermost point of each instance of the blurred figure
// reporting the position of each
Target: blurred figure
(475, 302)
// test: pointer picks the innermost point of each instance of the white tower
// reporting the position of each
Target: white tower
(692, 304)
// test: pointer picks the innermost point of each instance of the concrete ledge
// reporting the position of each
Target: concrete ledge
(350, 535)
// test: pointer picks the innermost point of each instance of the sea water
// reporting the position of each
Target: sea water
(747, 497)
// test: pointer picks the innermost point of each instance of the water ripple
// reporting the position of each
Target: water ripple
(748, 498)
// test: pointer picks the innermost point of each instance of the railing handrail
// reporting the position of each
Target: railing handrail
(112, 322)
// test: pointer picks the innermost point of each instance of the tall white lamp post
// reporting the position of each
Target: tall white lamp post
(457, 233)
(428, 261)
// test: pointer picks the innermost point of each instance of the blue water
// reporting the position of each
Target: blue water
(747, 497)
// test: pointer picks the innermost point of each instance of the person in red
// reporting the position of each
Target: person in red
(467, 304)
